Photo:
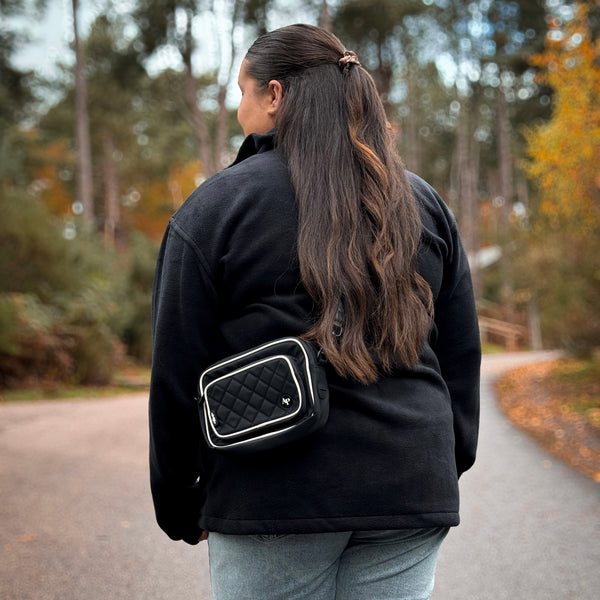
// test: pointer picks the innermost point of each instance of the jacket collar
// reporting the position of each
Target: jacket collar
(255, 144)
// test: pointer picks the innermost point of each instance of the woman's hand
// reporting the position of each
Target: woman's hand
(192, 539)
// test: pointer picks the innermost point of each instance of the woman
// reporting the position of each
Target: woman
(317, 211)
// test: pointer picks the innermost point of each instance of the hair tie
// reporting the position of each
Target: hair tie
(347, 60)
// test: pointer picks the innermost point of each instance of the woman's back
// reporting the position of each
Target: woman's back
(309, 217)
(388, 446)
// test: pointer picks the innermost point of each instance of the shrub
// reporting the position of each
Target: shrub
(41, 349)
(60, 300)
(561, 272)
(136, 315)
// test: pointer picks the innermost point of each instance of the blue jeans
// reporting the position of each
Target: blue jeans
(362, 565)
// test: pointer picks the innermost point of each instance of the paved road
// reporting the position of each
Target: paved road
(77, 523)
(530, 525)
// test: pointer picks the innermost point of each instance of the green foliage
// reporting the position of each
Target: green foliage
(564, 152)
(135, 325)
(562, 274)
(67, 305)
(586, 372)
(15, 100)
(35, 256)
(564, 245)
(58, 295)
(8, 319)
(37, 350)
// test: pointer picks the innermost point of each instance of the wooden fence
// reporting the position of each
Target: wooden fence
(512, 337)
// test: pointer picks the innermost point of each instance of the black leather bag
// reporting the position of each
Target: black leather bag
(264, 397)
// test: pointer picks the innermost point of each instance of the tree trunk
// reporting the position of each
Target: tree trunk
(222, 115)
(506, 193)
(523, 192)
(413, 158)
(325, 17)
(471, 207)
(111, 187)
(504, 157)
(462, 165)
(467, 178)
(471, 216)
(382, 76)
(191, 96)
(535, 330)
(176, 193)
(198, 122)
(222, 129)
(84, 152)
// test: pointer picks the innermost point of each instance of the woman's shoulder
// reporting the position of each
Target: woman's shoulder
(247, 200)
(435, 213)
(425, 194)
(250, 185)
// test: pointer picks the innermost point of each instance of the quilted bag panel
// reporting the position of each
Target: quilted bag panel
(254, 397)
(261, 398)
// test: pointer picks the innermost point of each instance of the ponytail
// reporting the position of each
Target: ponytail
(359, 226)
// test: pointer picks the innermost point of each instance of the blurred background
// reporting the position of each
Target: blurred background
(112, 112)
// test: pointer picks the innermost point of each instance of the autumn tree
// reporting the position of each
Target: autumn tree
(113, 75)
(565, 152)
(143, 151)
(564, 157)
(171, 23)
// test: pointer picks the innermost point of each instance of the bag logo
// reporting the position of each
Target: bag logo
(286, 401)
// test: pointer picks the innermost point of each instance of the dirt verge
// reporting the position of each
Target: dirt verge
(554, 412)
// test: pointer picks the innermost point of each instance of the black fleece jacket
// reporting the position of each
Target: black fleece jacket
(391, 452)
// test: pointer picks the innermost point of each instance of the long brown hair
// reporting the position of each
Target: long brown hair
(359, 226)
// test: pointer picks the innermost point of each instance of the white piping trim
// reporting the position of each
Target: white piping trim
(207, 419)
(268, 423)
(242, 442)
(256, 349)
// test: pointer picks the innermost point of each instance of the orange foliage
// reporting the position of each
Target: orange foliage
(565, 152)
(146, 204)
(48, 161)
(560, 407)
(150, 204)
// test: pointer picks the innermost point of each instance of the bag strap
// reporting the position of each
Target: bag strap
(338, 320)
(337, 330)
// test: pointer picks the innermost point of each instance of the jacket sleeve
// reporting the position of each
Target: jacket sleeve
(184, 311)
(458, 346)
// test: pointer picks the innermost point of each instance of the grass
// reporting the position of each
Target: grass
(578, 383)
(131, 378)
(488, 348)
(581, 372)
(558, 403)
(66, 393)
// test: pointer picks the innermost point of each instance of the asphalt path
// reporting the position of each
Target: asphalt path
(530, 525)
(77, 522)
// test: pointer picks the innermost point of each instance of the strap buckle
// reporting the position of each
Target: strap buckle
(338, 321)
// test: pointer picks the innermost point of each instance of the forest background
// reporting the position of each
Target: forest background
(495, 103)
